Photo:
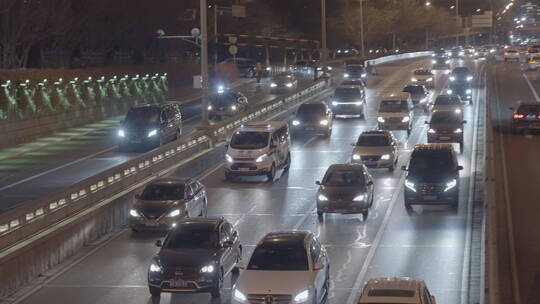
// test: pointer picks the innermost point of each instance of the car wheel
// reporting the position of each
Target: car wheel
(320, 215)
(455, 202)
(204, 210)
(271, 174)
(365, 215)
(408, 132)
(217, 287)
(228, 176)
(155, 291)
(288, 162)
(392, 168)
(235, 269)
(461, 147)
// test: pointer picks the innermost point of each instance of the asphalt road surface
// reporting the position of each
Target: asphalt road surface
(428, 243)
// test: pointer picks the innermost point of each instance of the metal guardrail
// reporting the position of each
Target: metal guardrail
(24, 221)
(397, 57)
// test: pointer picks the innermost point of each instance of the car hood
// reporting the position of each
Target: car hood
(155, 209)
(379, 150)
(247, 153)
(393, 114)
(430, 176)
(274, 282)
(186, 257)
(445, 127)
(344, 193)
(422, 77)
(446, 107)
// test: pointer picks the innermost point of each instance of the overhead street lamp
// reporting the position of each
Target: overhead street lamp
(324, 50)
(362, 47)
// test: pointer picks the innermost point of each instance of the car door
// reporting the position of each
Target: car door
(190, 201)
(228, 258)
(369, 185)
(196, 203)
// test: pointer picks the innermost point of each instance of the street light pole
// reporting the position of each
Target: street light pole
(362, 48)
(458, 20)
(204, 64)
(324, 53)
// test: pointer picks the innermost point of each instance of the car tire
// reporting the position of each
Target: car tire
(217, 286)
(365, 215)
(461, 147)
(272, 173)
(392, 168)
(229, 176)
(455, 202)
(287, 163)
(155, 291)
(408, 132)
(204, 211)
(320, 215)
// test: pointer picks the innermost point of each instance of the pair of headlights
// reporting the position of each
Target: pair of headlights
(151, 133)
(383, 157)
(173, 213)
(456, 131)
(449, 185)
(154, 267)
(382, 120)
(300, 297)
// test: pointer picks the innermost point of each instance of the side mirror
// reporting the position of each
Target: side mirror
(318, 183)
(464, 121)
(404, 168)
(158, 243)
(353, 144)
(240, 265)
(226, 144)
(318, 266)
(190, 197)
(137, 196)
(227, 244)
(369, 183)
(273, 146)
(511, 109)
(460, 168)
(426, 122)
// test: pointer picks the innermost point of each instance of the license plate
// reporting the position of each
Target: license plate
(370, 162)
(310, 129)
(444, 138)
(152, 224)
(243, 169)
(178, 284)
(430, 197)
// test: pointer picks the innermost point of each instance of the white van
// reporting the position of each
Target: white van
(258, 148)
(396, 112)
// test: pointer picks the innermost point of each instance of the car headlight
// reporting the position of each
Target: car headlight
(208, 269)
(322, 197)
(380, 119)
(134, 213)
(334, 103)
(364, 75)
(155, 268)
(469, 78)
(431, 131)
(450, 185)
(346, 75)
(288, 84)
(329, 68)
(405, 119)
(429, 79)
(469, 91)
(121, 133)
(452, 78)
(209, 108)
(268, 68)
(233, 108)
(447, 61)
(296, 123)
(458, 130)
(356, 157)
(449, 91)
(229, 158)
(174, 213)
(461, 53)
(359, 198)
(273, 85)
(302, 296)
(152, 133)
(239, 296)
(385, 157)
(414, 79)
(458, 111)
(324, 122)
(358, 103)
(410, 185)
(261, 158)
(432, 55)
(433, 61)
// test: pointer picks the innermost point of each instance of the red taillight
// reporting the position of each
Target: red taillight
(505, 54)
(518, 116)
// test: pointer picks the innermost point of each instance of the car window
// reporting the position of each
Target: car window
(373, 141)
(192, 235)
(282, 256)
(315, 248)
(163, 192)
(344, 178)
(194, 187)
(142, 116)
(189, 191)
(447, 100)
(393, 106)
(445, 117)
(249, 140)
(223, 234)
(525, 109)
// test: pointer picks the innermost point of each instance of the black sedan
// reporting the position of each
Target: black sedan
(313, 118)
(195, 257)
(226, 103)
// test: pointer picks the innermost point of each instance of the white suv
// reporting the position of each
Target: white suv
(285, 267)
(258, 148)
(396, 291)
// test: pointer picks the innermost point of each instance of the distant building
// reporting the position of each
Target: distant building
(530, 11)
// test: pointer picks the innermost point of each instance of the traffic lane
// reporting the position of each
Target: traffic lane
(523, 178)
(254, 207)
(30, 177)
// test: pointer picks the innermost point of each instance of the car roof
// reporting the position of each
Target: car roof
(292, 236)
(266, 126)
(406, 284)
(211, 220)
(347, 166)
(435, 147)
(376, 133)
(149, 105)
(346, 86)
(170, 181)
(396, 96)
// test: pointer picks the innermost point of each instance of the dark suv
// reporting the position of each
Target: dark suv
(446, 127)
(348, 100)
(432, 176)
(226, 103)
(195, 257)
(150, 125)
(313, 118)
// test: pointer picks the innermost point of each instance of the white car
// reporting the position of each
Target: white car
(285, 267)
(376, 149)
(423, 77)
(511, 54)
(396, 291)
(396, 112)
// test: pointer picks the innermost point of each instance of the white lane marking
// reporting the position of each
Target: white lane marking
(531, 87)
(57, 168)
(468, 233)
(510, 226)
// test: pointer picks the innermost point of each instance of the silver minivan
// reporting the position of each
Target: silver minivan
(258, 148)
(396, 112)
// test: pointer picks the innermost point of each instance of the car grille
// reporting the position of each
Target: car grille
(269, 299)
(370, 157)
(430, 188)
(244, 159)
(238, 166)
(184, 273)
(445, 132)
(394, 119)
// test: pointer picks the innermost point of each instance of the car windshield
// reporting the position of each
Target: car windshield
(311, 111)
(430, 162)
(461, 72)
(354, 70)
(249, 140)
(192, 236)
(279, 256)
(401, 293)
(422, 73)
(224, 98)
(347, 93)
(284, 77)
(447, 101)
(440, 52)
(142, 116)
(415, 90)
(373, 141)
(344, 178)
(445, 118)
(529, 109)
(393, 106)
(158, 192)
